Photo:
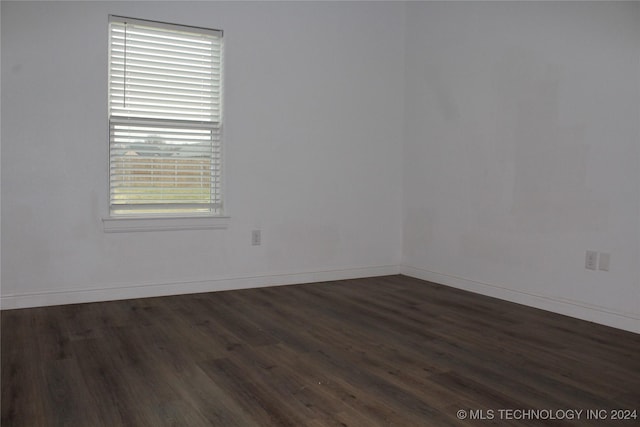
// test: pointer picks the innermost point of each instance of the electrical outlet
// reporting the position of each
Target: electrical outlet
(603, 261)
(591, 260)
(256, 238)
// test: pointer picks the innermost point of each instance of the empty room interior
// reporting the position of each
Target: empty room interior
(316, 213)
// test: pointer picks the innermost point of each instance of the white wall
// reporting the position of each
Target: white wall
(314, 99)
(520, 125)
(522, 151)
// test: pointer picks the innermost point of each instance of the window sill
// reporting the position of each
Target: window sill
(128, 224)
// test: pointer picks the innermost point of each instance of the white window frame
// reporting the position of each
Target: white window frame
(133, 217)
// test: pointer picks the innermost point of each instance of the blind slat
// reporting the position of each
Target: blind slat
(154, 31)
(131, 52)
(137, 206)
(166, 86)
(137, 64)
(150, 93)
(118, 43)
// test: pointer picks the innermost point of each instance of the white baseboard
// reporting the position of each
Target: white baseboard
(579, 310)
(145, 290)
(591, 313)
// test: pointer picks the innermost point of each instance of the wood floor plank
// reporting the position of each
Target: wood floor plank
(211, 401)
(384, 351)
(24, 387)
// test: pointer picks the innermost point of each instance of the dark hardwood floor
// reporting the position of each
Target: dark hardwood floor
(387, 351)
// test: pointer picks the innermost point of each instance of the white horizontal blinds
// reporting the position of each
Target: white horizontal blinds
(165, 118)
(164, 168)
(164, 73)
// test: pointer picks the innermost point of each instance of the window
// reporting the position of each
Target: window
(165, 119)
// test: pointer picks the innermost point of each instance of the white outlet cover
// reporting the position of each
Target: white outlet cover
(591, 260)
